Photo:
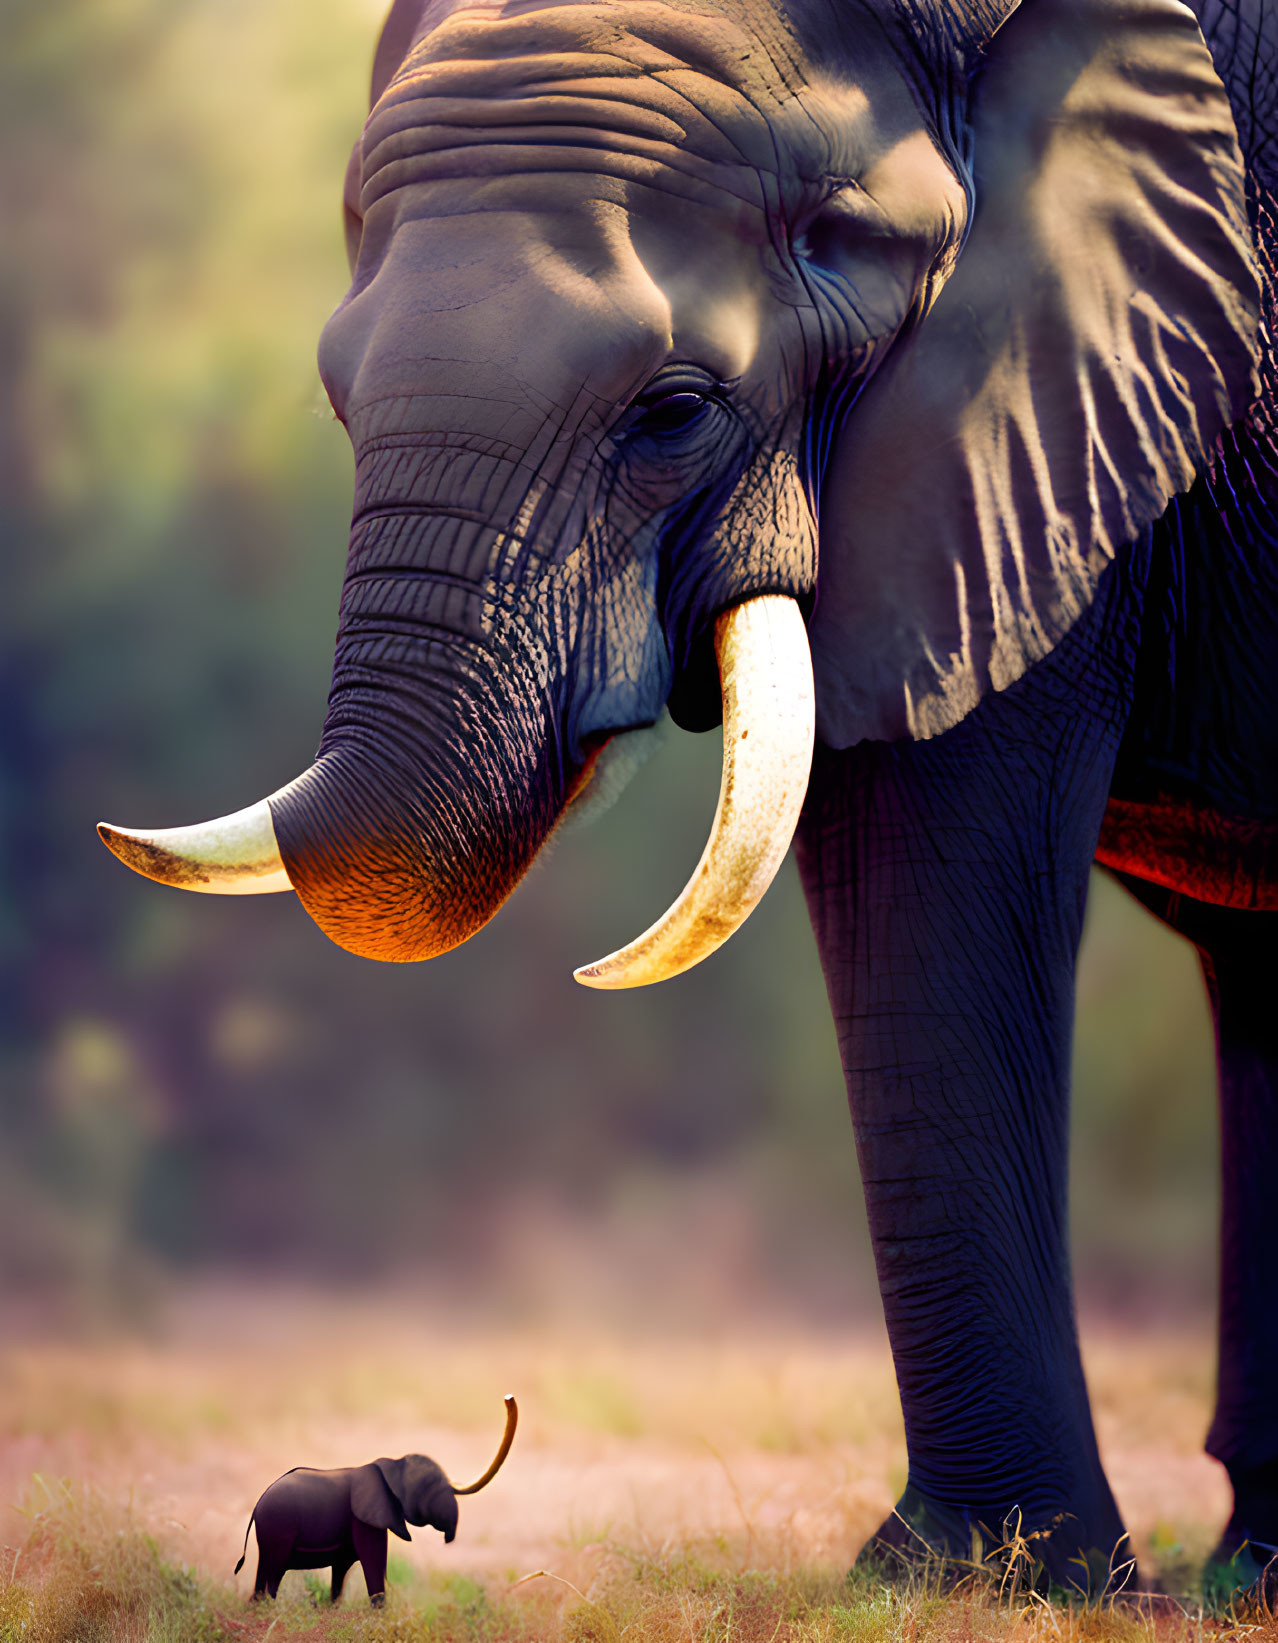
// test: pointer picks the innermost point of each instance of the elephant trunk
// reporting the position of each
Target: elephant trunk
(508, 1437)
(438, 775)
(396, 864)
(439, 772)
(394, 858)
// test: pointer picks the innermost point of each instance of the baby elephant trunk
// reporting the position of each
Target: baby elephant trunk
(508, 1437)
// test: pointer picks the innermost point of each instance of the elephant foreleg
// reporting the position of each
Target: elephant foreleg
(370, 1549)
(946, 882)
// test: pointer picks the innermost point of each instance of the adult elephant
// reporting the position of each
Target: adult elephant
(906, 347)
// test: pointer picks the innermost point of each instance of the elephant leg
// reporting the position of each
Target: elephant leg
(1239, 952)
(272, 1565)
(370, 1549)
(1240, 960)
(946, 881)
(341, 1568)
(1239, 955)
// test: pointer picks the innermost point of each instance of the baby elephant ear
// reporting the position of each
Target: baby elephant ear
(1097, 334)
(374, 1499)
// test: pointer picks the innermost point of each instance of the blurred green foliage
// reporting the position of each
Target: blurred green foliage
(189, 1081)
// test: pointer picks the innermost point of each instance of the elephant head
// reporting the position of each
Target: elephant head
(390, 1494)
(850, 340)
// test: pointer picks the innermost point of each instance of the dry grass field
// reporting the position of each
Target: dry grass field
(659, 1489)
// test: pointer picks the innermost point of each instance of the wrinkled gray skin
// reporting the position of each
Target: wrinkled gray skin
(310, 1519)
(923, 312)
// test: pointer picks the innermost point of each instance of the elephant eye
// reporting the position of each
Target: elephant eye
(671, 413)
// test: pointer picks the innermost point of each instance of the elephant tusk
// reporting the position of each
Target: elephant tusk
(765, 670)
(234, 856)
(508, 1437)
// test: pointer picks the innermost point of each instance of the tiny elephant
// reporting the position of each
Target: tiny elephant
(309, 1519)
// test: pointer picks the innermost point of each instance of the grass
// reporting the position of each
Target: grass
(85, 1573)
(659, 1491)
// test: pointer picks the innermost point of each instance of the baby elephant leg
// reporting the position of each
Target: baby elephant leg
(273, 1552)
(341, 1568)
(370, 1549)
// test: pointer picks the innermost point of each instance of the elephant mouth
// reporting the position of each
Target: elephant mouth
(580, 783)
(612, 761)
(396, 867)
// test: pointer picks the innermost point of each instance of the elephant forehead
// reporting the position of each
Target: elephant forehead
(497, 322)
(681, 99)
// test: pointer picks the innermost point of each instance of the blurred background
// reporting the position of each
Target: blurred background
(196, 1088)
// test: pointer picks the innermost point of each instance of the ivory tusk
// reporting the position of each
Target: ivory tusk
(234, 856)
(769, 712)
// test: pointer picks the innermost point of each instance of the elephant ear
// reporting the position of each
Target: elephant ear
(1097, 334)
(375, 1498)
